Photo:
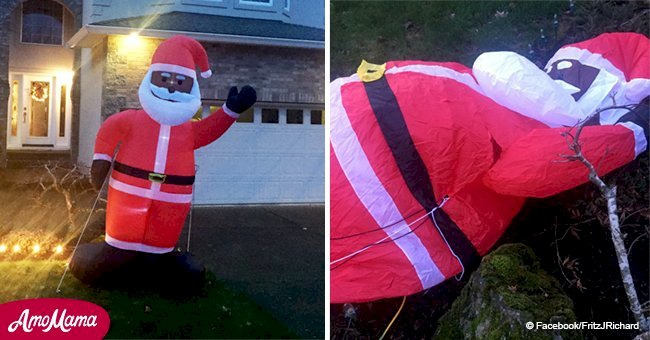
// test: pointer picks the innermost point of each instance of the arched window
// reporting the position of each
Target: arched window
(42, 22)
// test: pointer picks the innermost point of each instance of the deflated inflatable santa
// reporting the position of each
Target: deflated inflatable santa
(431, 161)
(150, 187)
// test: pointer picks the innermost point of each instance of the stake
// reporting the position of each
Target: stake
(65, 271)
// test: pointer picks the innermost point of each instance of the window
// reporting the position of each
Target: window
(270, 116)
(62, 112)
(14, 108)
(294, 116)
(42, 22)
(246, 116)
(287, 5)
(257, 2)
(207, 3)
(316, 117)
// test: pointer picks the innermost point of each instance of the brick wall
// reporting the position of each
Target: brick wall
(278, 74)
(126, 65)
(5, 26)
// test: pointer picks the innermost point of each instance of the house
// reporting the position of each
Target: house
(67, 65)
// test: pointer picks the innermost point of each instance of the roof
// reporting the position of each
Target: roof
(218, 24)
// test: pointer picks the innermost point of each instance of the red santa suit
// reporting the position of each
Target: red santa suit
(148, 214)
(150, 188)
(429, 162)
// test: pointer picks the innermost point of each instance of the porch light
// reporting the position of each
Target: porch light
(133, 40)
(65, 76)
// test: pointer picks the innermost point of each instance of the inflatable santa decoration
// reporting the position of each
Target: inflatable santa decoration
(152, 153)
(430, 161)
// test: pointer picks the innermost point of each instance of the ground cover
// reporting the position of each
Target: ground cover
(217, 312)
(38, 232)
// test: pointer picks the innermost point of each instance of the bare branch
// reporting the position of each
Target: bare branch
(609, 193)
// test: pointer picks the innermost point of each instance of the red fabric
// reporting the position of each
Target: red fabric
(130, 217)
(482, 214)
(450, 65)
(384, 165)
(381, 266)
(547, 173)
(487, 158)
(134, 219)
(445, 127)
(437, 111)
(629, 52)
(183, 51)
(209, 129)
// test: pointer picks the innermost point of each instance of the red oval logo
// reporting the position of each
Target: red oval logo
(53, 318)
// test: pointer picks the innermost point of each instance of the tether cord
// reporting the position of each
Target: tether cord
(189, 229)
(92, 210)
(373, 230)
(384, 242)
(362, 249)
(380, 241)
(393, 320)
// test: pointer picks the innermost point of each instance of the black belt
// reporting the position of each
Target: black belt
(393, 127)
(153, 176)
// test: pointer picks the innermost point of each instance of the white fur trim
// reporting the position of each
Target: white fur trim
(136, 246)
(637, 89)
(206, 74)
(173, 68)
(154, 193)
(587, 58)
(640, 143)
(162, 148)
(102, 156)
(515, 82)
(165, 112)
(230, 112)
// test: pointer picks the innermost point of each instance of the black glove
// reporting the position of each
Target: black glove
(98, 172)
(242, 101)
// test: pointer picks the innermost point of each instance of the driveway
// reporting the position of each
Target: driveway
(273, 253)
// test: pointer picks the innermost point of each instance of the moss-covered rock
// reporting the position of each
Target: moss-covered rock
(508, 290)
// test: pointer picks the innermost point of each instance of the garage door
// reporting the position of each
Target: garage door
(273, 154)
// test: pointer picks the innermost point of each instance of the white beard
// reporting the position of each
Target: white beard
(166, 112)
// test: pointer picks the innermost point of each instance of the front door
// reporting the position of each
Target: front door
(37, 111)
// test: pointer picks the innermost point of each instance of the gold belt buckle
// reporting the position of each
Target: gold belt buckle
(156, 177)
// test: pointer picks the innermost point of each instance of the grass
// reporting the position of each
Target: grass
(435, 30)
(215, 313)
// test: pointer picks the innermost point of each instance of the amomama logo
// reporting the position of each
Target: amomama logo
(52, 318)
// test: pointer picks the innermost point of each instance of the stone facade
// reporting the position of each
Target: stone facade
(280, 75)
(7, 8)
(126, 65)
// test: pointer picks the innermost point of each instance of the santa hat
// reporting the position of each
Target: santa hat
(181, 54)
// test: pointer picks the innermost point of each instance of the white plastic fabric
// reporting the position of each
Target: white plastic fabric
(516, 83)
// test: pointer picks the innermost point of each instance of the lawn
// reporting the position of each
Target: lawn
(459, 31)
(437, 30)
(33, 216)
(215, 313)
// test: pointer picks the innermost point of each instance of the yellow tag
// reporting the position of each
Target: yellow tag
(368, 72)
